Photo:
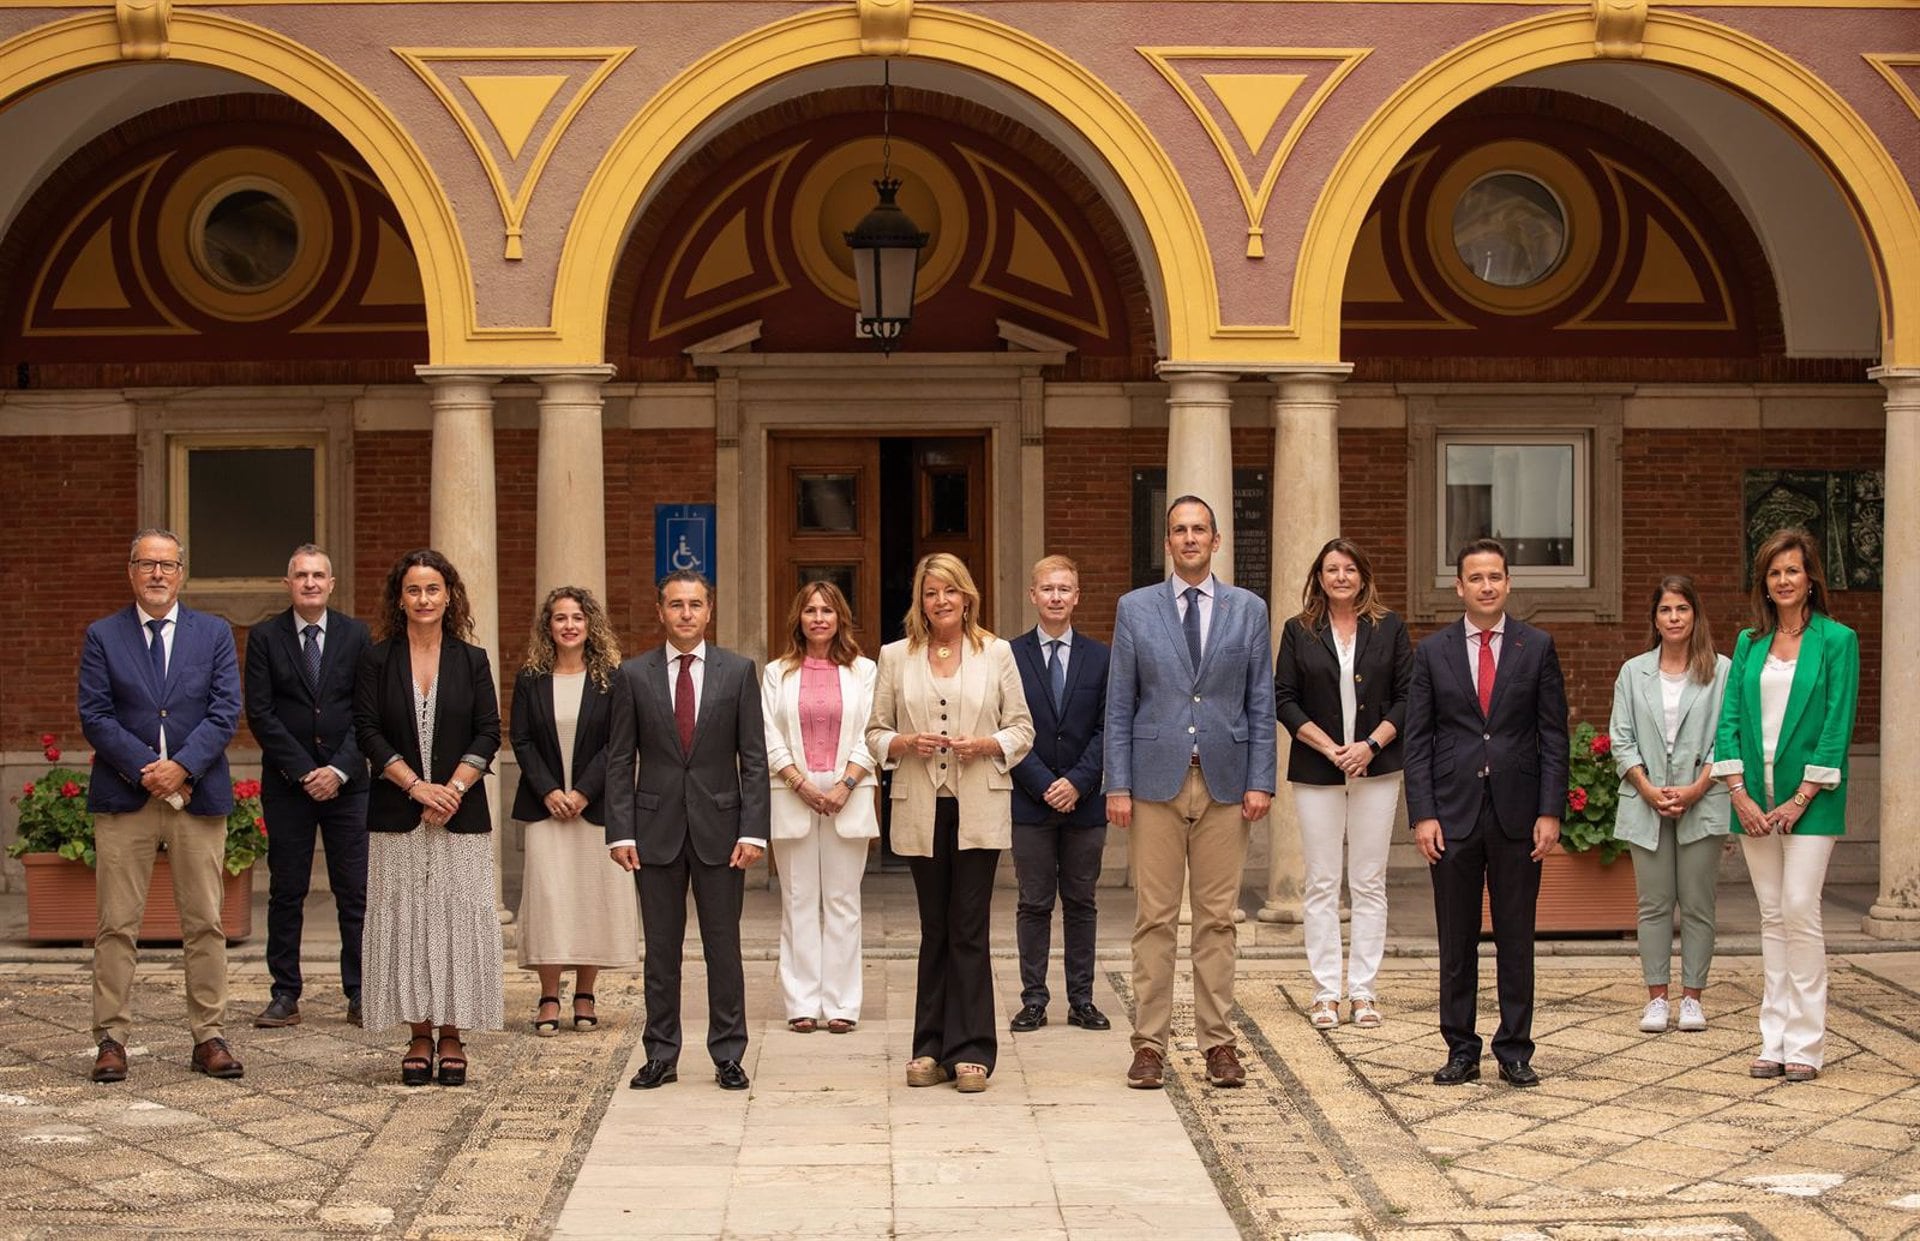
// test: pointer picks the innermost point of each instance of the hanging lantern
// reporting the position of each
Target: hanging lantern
(886, 248)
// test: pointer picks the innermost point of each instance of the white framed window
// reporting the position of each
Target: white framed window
(1531, 491)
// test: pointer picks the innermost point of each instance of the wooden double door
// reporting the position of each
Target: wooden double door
(860, 511)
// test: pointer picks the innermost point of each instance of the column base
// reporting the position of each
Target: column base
(1892, 922)
(1282, 909)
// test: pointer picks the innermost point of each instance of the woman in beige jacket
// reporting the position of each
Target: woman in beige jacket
(950, 719)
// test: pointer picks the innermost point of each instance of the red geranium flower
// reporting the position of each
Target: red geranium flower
(47, 739)
(53, 754)
(260, 824)
(1601, 744)
(27, 791)
(69, 789)
(1577, 799)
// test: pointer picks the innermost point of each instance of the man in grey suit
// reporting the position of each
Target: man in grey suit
(1190, 764)
(687, 807)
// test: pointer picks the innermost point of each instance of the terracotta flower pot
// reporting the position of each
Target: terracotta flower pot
(61, 903)
(1580, 893)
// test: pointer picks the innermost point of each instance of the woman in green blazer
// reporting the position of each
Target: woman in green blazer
(1673, 817)
(1785, 727)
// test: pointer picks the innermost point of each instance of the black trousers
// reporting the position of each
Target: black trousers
(1055, 858)
(953, 1008)
(717, 893)
(292, 825)
(1486, 857)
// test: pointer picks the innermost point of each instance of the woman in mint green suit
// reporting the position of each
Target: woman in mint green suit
(1673, 817)
(1785, 728)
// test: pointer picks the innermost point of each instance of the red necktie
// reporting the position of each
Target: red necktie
(683, 704)
(1486, 672)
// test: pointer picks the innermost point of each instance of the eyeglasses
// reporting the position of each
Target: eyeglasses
(168, 567)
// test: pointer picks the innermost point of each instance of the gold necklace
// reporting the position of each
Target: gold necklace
(944, 652)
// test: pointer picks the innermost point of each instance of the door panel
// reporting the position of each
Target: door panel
(950, 499)
(823, 510)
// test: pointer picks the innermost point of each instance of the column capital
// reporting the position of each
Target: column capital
(599, 371)
(1312, 372)
(1198, 372)
(1901, 382)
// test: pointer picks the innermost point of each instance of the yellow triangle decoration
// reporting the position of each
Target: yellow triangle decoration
(726, 260)
(1032, 259)
(1665, 276)
(514, 104)
(1255, 100)
(396, 273)
(92, 282)
(1367, 277)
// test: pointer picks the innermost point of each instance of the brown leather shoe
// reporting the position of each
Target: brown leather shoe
(111, 1064)
(1147, 1071)
(1223, 1067)
(216, 1059)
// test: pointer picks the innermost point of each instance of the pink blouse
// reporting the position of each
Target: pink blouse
(820, 712)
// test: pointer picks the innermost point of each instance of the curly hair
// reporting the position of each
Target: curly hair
(456, 621)
(954, 570)
(603, 647)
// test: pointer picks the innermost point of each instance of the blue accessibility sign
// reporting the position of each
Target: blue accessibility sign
(683, 538)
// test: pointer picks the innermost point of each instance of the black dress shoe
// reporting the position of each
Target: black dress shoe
(1458, 1070)
(1031, 1017)
(1519, 1073)
(353, 1012)
(282, 1010)
(1087, 1017)
(730, 1075)
(654, 1073)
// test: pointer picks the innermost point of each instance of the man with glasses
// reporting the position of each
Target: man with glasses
(159, 700)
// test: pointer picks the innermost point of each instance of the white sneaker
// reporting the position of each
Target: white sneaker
(1693, 1018)
(1654, 1019)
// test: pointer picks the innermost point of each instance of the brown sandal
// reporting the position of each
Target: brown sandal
(841, 1025)
(802, 1025)
(417, 1070)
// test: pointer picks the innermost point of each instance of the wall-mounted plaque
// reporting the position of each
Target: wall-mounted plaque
(1252, 528)
(1845, 510)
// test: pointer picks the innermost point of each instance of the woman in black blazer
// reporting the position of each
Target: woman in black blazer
(576, 907)
(1340, 688)
(428, 719)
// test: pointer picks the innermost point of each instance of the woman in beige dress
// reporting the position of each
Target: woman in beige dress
(576, 909)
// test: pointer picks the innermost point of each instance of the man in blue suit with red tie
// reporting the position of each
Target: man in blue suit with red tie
(159, 701)
(1059, 821)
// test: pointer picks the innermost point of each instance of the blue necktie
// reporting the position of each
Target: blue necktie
(157, 655)
(312, 635)
(1192, 625)
(1056, 675)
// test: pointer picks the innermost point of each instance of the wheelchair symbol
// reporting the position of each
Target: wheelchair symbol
(683, 556)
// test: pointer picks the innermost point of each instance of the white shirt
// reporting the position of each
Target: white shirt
(1671, 688)
(1349, 696)
(1499, 632)
(172, 626)
(1180, 588)
(699, 670)
(1063, 652)
(1776, 688)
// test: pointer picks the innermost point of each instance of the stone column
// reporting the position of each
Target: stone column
(464, 523)
(1896, 914)
(1200, 447)
(1306, 513)
(571, 546)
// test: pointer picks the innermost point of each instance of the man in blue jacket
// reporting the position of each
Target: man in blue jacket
(159, 700)
(1059, 821)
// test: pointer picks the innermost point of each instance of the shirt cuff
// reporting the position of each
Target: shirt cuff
(615, 844)
(336, 771)
(755, 841)
(1728, 767)
(1825, 777)
(479, 764)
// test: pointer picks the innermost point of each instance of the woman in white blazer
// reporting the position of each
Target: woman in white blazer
(950, 717)
(815, 700)
(1671, 814)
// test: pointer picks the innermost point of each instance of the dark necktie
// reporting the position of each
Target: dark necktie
(157, 654)
(311, 634)
(1486, 672)
(683, 704)
(1192, 625)
(1056, 675)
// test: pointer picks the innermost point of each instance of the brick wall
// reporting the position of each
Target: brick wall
(644, 468)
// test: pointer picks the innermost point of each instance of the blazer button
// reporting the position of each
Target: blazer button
(1486, 736)
(1189, 728)
(163, 713)
(1196, 698)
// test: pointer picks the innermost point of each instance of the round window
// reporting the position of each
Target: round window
(1509, 229)
(249, 240)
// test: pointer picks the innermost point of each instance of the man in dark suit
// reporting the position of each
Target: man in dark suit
(300, 672)
(159, 700)
(1059, 822)
(687, 806)
(1486, 757)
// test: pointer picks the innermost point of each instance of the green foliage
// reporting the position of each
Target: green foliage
(54, 817)
(1593, 795)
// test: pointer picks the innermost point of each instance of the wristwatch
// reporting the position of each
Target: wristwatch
(850, 782)
(1373, 745)
(1801, 799)
(459, 786)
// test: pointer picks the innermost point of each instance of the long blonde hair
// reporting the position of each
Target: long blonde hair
(954, 569)
(602, 651)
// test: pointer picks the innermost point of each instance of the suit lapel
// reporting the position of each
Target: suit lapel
(658, 686)
(1512, 643)
(1453, 645)
(591, 704)
(132, 637)
(1806, 670)
(1216, 629)
(715, 683)
(1362, 635)
(1029, 650)
(1169, 609)
(1690, 694)
(181, 628)
(1651, 693)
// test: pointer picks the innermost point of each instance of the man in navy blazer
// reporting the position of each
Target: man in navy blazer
(1059, 822)
(1486, 753)
(300, 672)
(159, 700)
(1190, 764)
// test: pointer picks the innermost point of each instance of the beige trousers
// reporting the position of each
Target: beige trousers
(124, 846)
(1190, 835)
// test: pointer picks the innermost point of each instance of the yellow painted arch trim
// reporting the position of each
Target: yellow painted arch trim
(1054, 80)
(1880, 198)
(52, 51)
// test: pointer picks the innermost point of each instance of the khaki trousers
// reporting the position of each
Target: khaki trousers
(124, 846)
(1190, 835)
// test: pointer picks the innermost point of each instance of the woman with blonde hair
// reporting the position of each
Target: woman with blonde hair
(576, 910)
(950, 718)
(815, 700)
(1786, 725)
(1666, 709)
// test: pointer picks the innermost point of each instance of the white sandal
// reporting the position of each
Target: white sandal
(1324, 1015)
(1366, 1014)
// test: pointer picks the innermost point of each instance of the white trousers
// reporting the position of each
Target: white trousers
(820, 877)
(1354, 819)
(1788, 873)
